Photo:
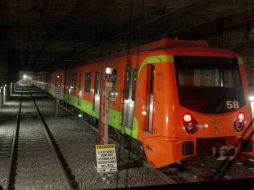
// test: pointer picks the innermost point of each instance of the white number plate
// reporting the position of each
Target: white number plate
(232, 105)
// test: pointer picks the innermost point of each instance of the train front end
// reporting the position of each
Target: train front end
(204, 107)
(214, 110)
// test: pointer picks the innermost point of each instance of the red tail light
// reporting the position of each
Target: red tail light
(190, 123)
(241, 116)
(240, 122)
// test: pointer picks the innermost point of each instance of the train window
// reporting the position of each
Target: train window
(74, 80)
(130, 84)
(80, 89)
(97, 83)
(88, 82)
(112, 91)
(199, 77)
(134, 84)
(152, 70)
(96, 105)
(80, 82)
(69, 80)
(129, 96)
(150, 100)
(127, 84)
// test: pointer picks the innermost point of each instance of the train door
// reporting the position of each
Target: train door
(96, 104)
(73, 85)
(69, 89)
(150, 98)
(129, 96)
(80, 89)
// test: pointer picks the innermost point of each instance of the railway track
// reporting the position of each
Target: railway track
(8, 151)
(192, 170)
(198, 170)
(33, 156)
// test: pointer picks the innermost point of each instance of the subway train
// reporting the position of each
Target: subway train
(177, 98)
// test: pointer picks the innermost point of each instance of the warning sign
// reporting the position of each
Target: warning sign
(106, 158)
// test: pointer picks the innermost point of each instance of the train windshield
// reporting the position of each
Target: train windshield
(209, 84)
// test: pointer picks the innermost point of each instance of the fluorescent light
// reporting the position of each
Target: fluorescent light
(109, 70)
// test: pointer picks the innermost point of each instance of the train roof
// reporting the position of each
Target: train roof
(202, 51)
(166, 43)
(171, 45)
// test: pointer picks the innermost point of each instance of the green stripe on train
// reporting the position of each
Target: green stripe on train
(240, 60)
(155, 59)
(114, 117)
(50, 90)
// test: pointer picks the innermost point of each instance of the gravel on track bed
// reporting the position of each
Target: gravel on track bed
(77, 142)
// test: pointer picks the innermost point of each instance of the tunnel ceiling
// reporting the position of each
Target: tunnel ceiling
(45, 35)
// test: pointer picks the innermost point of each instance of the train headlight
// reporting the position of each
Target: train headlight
(240, 122)
(187, 118)
(144, 113)
(190, 123)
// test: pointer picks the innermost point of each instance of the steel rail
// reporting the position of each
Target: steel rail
(226, 164)
(71, 184)
(12, 163)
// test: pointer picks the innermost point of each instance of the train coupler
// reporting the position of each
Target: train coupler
(224, 152)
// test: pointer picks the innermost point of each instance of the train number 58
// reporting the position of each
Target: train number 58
(232, 105)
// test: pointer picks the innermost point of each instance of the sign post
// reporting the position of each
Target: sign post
(106, 109)
(103, 116)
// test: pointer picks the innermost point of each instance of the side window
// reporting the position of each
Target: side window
(80, 82)
(74, 80)
(97, 83)
(69, 80)
(130, 84)
(88, 82)
(112, 91)
(150, 88)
